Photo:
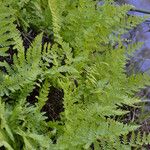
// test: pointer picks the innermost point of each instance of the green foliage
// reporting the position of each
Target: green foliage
(83, 62)
(9, 35)
(35, 13)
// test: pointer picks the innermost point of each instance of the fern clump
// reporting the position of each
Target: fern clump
(81, 61)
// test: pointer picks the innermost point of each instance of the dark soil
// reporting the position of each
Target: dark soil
(54, 105)
(32, 97)
(28, 38)
(8, 59)
(2, 148)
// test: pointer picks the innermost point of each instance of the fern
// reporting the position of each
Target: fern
(56, 18)
(43, 94)
(83, 63)
(13, 81)
(9, 35)
(23, 126)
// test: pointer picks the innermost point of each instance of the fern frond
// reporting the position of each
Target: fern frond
(23, 73)
(9, 34)
(56, 8)
(24, 123)
(43, 96)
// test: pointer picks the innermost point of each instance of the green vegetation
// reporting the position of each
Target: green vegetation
(82, 61)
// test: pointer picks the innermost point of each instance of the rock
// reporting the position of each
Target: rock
(141, 58)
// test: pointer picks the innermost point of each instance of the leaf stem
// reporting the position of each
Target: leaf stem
(141, 11)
